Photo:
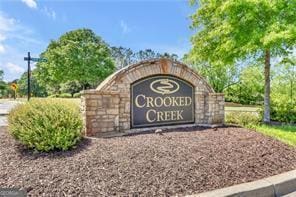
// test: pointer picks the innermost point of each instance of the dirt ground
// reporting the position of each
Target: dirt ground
(176, 163)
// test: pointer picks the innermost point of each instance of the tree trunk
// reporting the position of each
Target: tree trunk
(266, 118)
(291, 91)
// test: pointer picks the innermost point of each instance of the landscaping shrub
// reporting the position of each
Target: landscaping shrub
(77, 95)
(245, 119)
(65, 95)
(283, 111)
(46, 124)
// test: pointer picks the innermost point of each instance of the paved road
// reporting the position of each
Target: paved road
(5, 107)
(293, 194)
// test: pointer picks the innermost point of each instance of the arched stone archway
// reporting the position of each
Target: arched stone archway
(107, 109)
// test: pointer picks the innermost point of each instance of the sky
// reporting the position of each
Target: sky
(29, 25)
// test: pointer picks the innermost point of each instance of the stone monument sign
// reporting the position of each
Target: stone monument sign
(154, 93)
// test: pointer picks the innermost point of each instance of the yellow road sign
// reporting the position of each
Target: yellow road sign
(13, 86)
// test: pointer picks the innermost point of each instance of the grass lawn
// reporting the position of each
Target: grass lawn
(286, 134)
(239, 107)
(242, 108)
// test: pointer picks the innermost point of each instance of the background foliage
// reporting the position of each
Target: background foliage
(78, 55)
(229, 32)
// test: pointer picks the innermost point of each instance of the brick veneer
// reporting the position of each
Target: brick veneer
(106, 110)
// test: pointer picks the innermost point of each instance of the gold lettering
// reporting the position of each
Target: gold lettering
(188, 101)
(164, 115)
(158, 99)
(174, 115)
(181, 103)
(167, 115)
(150, 102)
(143, 101)
(165, 101)
(148, 117)
(179, 115)
(175, 103)
(137, 101)
(160, 116)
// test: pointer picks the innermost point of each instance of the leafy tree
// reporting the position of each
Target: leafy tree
(230, 31)
(1, 75)
(122, 56)
(37, 90)
(3, 88)
(170, 56)
(71, 87)
(150, 54)
(250, 89)
(146, 54)
(284, 83)
(220, 77)
(3, 85)
(125, 56)
(77, 55)
(283, 88)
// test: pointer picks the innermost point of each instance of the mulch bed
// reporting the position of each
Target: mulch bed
(175, 163)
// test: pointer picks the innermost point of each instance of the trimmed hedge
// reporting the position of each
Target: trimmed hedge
(46, 124)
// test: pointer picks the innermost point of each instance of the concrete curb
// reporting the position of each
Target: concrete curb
(274, 186)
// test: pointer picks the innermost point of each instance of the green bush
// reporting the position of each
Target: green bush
(77, 95)
(46, 124)
(283, 110)
(65, 95)
(245, 119)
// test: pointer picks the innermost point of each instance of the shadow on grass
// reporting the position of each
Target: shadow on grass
(31, 154)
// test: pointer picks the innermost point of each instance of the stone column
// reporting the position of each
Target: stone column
(200, 108)
(216, 108)
(100, 111)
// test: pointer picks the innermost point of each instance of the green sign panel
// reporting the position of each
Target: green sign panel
(35, 59)
(38, 59)
(161, 100)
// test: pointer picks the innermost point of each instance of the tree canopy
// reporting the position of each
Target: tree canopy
(3, 85)
(250, 86)
(229, 30)
(126, 56)
(78, 55)
(36, 88)
(232, 31)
